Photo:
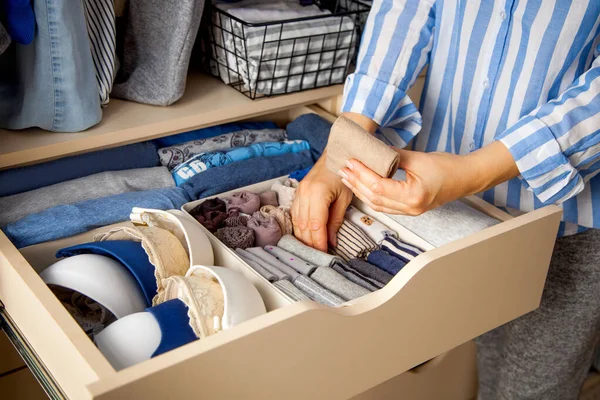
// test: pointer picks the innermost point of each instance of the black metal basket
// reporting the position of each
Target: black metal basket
(272, 58)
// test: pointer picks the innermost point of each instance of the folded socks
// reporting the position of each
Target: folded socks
(286, 192)
(268, 198)
(215, 204)
(386, 261)
(212, 220)
(317, 292)
(235, 219)
(349, 140)
(236, 237)
(283, 218)
(245, 201)
(347, 272)
(269, 262)
(290, 290)
(374, 229)
(336, 283)
(352, 242)
(103, 184)
(253, 260)
(265, 273)
(266, 230)
(310, 255)
(399, 249)
(291, 260)
(371, 271)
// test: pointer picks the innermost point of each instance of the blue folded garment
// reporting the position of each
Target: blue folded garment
(202, 162)
(244, 173)
(23, 179)
(172, 318)
(212, 131)
(312, 128)
(20, 20)
(385, 261)
(300, 174)
(68, 220)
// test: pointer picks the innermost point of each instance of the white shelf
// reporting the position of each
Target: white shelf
(207, 102)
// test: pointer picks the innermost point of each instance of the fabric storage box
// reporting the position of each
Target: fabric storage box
(297, 52)
(303, 350)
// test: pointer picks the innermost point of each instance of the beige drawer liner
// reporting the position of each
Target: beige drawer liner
(440, 300)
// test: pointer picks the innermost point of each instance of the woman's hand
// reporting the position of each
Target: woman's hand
(319, 208)
(432, 179)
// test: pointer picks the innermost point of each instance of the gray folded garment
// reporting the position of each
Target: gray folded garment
(103, 184)
(258, 268)
(452, 221)
(371, 271)
(291, 260)
(317, 292)
(253, 260)
(338, 284)
(158, 44)
(290, 290)
(347, 272)
(270, 262)
(310, 255)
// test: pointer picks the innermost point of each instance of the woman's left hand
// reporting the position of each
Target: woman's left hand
(432, 179)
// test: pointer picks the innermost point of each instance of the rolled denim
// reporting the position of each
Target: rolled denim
(338, 284)
(386, 261)
(290, 290)
(23, 179)
(291, 260)
(310, 255)
(317, 292)
(15, 207)
(371, 271)
(69, 220)
(55, 87)
(347, 272)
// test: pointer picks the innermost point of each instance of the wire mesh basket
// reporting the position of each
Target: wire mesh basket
(284, 56)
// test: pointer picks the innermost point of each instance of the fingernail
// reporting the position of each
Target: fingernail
(345, 182)
(349, 165)
(342, 174)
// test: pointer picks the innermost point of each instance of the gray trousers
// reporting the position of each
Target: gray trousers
(546, 354)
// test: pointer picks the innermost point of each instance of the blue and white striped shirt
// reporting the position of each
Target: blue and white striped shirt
(525, 72)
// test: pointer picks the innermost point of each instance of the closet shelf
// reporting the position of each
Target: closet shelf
(207, 102)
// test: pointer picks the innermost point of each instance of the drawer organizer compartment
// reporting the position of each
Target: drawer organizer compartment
(441, 299)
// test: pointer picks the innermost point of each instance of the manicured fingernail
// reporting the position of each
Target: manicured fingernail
(345, 182)
(349, 164)
(342, 174)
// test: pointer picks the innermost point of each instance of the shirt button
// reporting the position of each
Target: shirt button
(472, 146)
(502, 15)
(486, 83)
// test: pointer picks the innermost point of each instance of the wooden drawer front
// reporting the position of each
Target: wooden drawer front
(304, 350)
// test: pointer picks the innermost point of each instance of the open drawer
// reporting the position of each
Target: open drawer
(442, 299)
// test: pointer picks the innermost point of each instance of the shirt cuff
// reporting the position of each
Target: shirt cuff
(373, 98)
(544, 168)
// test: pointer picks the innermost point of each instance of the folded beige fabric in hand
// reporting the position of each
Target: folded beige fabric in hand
(349, 140)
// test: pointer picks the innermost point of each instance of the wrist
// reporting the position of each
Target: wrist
(365, 122)
(489, 166)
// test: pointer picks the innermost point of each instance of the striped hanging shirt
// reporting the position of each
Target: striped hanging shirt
(524, 72)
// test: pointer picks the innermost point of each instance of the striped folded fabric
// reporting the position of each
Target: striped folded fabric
(352, 242)
(399, 249)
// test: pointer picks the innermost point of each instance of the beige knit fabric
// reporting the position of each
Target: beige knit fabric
(165, 251)
(203, 295)
(283, 218)
(286, 192)
(349, 140)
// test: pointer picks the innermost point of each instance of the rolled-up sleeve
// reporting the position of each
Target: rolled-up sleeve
(395, 48)
(557, 146)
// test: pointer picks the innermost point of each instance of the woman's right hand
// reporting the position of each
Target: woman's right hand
(319, 208)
